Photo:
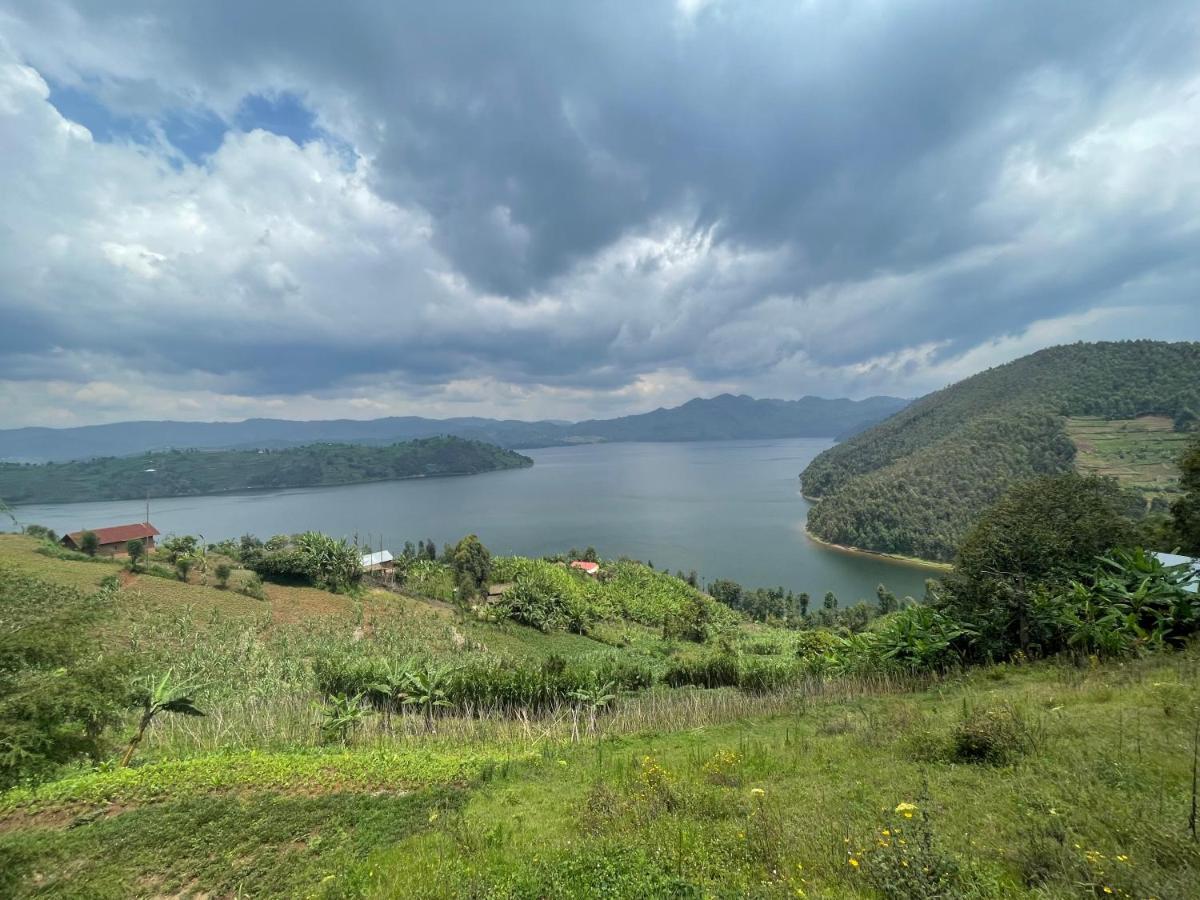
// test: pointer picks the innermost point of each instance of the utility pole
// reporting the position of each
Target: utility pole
(146, 521)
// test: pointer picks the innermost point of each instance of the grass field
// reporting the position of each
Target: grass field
(1142, 453)
(1091, 797)
(1039, 780)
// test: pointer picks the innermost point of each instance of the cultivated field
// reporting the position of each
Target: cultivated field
(1142, 453)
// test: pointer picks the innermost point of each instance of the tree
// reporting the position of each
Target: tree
(1038, 537)
(804, 603)
(831, 600)
(1185, 512)
(472, 562)
(183, 566)
(89, 543)
(163, 695)
(136, 549)
(177, 546)
(727, 592)
(887, 600)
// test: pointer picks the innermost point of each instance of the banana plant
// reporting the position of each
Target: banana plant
(594, 699)
(341, 716)
(426, 689)
(165, 694)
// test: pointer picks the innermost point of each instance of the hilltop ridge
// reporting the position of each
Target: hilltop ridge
(719, 418)
(914, 483)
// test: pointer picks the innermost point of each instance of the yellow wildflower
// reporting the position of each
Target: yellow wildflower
(758, 792)
(906, 809)
(854, 862)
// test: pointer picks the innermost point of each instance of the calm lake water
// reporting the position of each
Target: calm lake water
(728, 509)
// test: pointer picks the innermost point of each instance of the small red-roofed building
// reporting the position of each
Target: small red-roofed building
(111, 541)
(583, 565)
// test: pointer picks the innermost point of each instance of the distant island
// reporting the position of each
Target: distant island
(184, 473)
(726, 417)
(914, 484)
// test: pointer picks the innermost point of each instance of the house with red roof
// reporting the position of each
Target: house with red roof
(583, 565)
(111, 541)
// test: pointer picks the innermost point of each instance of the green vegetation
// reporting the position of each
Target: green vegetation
(1185, 512)
(1140, 453)
(1029, 730)
(915, 483)
(185, 473)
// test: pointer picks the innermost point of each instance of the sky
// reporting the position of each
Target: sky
(307, 209)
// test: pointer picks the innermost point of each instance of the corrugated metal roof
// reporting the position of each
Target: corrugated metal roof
(1174, 559)
(377, 558)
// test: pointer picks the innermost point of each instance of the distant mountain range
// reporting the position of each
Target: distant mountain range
(725, 417)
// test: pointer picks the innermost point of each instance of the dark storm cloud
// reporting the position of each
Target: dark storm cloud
(862, 151)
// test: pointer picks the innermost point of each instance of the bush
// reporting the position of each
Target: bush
(710, 671)
(549, 598)
(426, 578)
(920, 639)
(995, 735)
(311, 557)
(58, 692)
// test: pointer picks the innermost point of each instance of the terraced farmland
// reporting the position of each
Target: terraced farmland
(1142, 453)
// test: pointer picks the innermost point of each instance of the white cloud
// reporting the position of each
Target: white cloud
(714, 241)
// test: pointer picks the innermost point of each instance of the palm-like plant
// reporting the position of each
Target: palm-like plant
(165, 694)
(593, 699)
(342, 715)
(426, 689)
(392, 686)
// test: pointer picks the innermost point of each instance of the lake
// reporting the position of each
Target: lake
(728, 509)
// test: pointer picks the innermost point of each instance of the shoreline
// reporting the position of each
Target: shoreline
(914, 561)
(269, 490)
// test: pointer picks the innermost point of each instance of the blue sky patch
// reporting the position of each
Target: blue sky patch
(283, 113)
(196, 132)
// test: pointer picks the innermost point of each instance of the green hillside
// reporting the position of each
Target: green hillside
(914, 483)
(181, 473)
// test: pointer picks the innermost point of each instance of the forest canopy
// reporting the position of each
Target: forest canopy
(915, 483)
(181, 473)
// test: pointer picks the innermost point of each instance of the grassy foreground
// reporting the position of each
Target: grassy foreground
(1036, 780)
(1024, 781)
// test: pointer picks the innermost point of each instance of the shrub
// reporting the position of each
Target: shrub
(710, 671)
(723, 768)
(58, 692)
(905, 861)
(248, 584)
(920, 638)
(89, 543)
(994, 735)
(223, 571)
(426, 578)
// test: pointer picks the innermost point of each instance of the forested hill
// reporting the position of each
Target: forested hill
(716, 418)
(914, 483)
(186, 473)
